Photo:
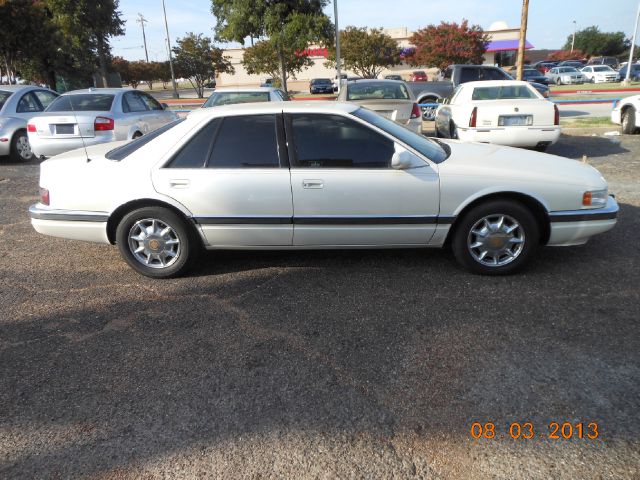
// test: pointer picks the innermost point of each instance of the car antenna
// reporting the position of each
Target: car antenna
(79, 129)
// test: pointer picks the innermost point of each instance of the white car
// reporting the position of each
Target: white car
(600, 74)
(625, 113)
(565, 76)
(503, 112)
(316, 175)
(234, 95)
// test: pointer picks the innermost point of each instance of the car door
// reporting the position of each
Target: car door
(345, 191)
(157, 115)
(233, 176)
(28, 106)
(136, 115)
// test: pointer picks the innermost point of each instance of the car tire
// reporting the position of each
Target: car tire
(629, 121)
(136, 135)
(20, 150)
(484, 240)
(453, 131)
(558, 81)
(156, 242)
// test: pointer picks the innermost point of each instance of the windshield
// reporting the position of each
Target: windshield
(567, 70)
(321, 81)
(604, 68)
(377, 90)
(4, 96)
(230, 98)
(429, 148)
(531, 73)
(82, 102)
(127, 149)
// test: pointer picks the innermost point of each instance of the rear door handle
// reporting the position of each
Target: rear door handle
(178, 183)
(312, 184)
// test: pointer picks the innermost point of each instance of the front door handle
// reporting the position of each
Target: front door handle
(178, 183)
(312, 184)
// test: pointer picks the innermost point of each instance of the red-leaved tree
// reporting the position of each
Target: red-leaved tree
(562, 55)
(448, 43)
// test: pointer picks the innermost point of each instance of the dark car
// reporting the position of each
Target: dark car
(611, 61)
(321, 85)
(418, 76)
(571, 63)
(532, 75)
(544, 66)
(635, 72)
(393, 77)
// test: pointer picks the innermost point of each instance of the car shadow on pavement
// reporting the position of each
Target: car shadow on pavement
(372, 363)
(594, 146)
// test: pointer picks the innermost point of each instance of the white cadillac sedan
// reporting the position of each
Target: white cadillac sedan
(316, 175)
(503, 112)
(625, 113)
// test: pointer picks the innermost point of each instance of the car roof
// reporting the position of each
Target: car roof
(97, 91)
(244, 89)
(373, 80)
(274, 107)
(18, 88)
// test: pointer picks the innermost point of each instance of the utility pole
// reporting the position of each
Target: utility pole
(335, 19)
(627, 79)
(523, 38)
(573, 39)
(141, 20)
(173, 77)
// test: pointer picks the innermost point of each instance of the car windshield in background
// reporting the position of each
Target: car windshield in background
(531, 73)
(380, 91)
(321, 81)
(230, 98)
(89, 102)
(429, 148)
(502, 93)
(127, 149)
(603, 68)
(567, 70)
(4, 96)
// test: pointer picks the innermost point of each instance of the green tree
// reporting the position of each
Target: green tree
(263, 58)
(198, 60)
(290, 25)
(591, 41)
(366, 51)
(448, 43)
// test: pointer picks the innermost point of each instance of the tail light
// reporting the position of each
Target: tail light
(44, 196)
(31, 128)
(102, 124)
(415, 111)
(474, 117)
(556, 115)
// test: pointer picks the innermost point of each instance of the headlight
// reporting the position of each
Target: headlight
(566, 78)
(595, 198)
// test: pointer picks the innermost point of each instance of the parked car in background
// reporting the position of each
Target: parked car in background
(80, 118)
(268, 82)
(393, 77)
(418, 76)
(390, 98)
(532, 75)
(502, 112)
(544, 66)
(578, 64)
(343, 77)
(233, 95)
(320, 85)
(210, 83)
(600, 74)
(565, 76)
(610, 61)
(635, 72)
(332, 175)
(625, 113)
(18, 103)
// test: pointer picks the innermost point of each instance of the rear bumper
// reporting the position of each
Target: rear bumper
(49, 147)
(512, 136)
(575, 227)
(616, 116)
(71, 224)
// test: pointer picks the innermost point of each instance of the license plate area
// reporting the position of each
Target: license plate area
(515, 120)
(65, 129)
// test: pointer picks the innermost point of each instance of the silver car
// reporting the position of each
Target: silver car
(18, 103)
(565, 76)
(233, 95)
(98, 115)
(389, 98)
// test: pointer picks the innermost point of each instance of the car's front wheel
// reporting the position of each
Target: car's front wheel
(156, 242)
(496, 238)
(629, 121)
(20, 149)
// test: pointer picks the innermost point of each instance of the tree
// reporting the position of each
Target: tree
(290, 25)
(366, 51)
(562, 55)
(448, 43)
(198, 60)
(591, 41)
(263, 58)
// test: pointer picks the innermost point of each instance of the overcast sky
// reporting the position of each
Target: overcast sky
(550, 21)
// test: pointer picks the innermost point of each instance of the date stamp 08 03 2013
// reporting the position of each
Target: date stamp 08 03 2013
(527, 431)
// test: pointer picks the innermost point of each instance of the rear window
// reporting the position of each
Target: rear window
(502, 93)
(4, 96)
(382, 91)
(89, 102)
(127, 149)
(230, 98)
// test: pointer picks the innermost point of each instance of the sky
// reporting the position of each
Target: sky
(550, 21)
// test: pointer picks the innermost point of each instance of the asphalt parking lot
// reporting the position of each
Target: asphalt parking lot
(354, 364)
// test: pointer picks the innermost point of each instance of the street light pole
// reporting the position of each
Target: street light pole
(335, 18)
(173, 77)
(523, 38)
(627, 79)
(573, 39)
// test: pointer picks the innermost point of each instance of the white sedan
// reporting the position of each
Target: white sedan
(316, 175)
(600, 74)
(503, 112)
(625, 113)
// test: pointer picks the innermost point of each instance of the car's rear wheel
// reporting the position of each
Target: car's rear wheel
(20, 149)
(629, 120)
(558, 81)
(156, 242)
(453, 130)
(496, 238)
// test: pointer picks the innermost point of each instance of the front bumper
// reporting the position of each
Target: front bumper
(575, 227)
(71, 224)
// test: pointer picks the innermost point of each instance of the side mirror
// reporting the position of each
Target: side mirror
(403, 159)
(164, 106)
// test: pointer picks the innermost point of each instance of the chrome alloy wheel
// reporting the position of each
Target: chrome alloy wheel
(496, 240)
(23, 148)
(154, 243)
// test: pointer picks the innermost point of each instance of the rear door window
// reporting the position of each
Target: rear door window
(28, 103)
(45, 97)
(133, 103)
